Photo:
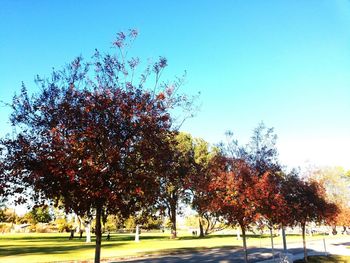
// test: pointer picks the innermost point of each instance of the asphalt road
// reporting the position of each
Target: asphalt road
(255, 254)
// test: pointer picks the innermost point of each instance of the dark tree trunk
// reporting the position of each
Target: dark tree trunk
(210, 225)
(98, 234)
(304, 242)
(244, 244)
(201, 231)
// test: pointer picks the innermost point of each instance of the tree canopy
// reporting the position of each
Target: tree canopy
(92, 138)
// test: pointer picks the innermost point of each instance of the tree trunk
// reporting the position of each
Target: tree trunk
(238, 234)
(284, 239)
(98, 234)
(173, 222)
(304, 242)
(76, 223)
(272, 247)
(79, 228)
(137, 234)
(310, 231)
(244, 244)
(201, 232)
(88, 231)
(208, 227)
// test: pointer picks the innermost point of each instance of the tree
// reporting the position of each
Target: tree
(41, 214)
(234, 194)
(262, 155)
(200, 181)
(260, 152)
(38, 214)
(113, 223)
(337, 185)
(178, 163)
(343, 217)
(2, 182)
(9, 215)
(271, 203)
(146, 221)
(62, 224)
(307, 203)
(2, 215)
(92, 137)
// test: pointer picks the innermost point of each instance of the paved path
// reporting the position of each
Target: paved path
(333, 246)
(319, 247)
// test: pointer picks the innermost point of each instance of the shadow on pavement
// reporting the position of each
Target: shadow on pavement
(219, 255)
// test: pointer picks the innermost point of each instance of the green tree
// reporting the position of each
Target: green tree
(208, 220)
(130, 223)
(38, 214)
(2, 215)
(178, 163)
(10, 215)
(41, 214)
(62, 224)
(27, 218)
(113, 223)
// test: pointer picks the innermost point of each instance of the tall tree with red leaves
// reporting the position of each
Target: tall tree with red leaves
(234, 193)
(92, 137)
(306, 202)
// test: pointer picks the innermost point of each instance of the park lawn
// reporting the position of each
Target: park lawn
(326, 259)
(51, 247)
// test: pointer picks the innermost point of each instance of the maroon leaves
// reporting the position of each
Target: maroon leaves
(90, 138)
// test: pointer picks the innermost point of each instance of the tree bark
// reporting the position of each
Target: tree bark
(173, 222)
(79, 228)
(238, 234)
(98, 234)
(284, 239)
(244, 244)
(208, 227)
(304, 242)
(272, 246)
(88, 231)
(137, 234)
(76, 223)
(201, 232)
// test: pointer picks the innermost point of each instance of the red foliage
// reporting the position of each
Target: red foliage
(233, 189)
(306, 201)
(270, 200)
(91, 138)
(343, 218)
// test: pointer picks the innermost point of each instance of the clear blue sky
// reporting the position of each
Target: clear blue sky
(286, 63)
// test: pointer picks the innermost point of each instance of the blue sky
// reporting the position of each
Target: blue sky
(286, 63)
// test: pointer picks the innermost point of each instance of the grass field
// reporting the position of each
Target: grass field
(51, 247)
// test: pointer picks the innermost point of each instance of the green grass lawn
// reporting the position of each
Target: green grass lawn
(324, 259)
(50, 247)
